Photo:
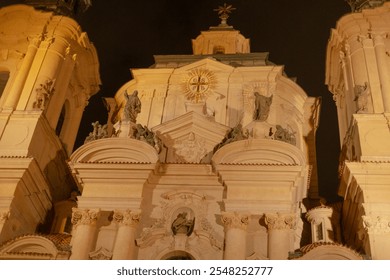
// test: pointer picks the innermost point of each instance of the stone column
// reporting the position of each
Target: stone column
(125, 237)
(235, 235)
(279, 234)
(375, 235)
(381, 58)
(84, 230)
(23, 72)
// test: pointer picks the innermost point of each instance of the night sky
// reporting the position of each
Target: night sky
(127, 33)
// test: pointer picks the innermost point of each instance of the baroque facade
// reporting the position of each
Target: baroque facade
(204, 156)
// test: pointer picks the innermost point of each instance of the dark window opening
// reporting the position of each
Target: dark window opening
(61, 121)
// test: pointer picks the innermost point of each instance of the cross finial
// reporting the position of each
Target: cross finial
(223, 12)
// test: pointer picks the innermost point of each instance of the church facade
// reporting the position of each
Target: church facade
(209, 155)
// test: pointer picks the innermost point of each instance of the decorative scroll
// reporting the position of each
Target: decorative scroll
(235, 220)
(127, 217)
(280, 221)
(84, 216)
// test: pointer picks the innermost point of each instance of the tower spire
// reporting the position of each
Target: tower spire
(223, 12)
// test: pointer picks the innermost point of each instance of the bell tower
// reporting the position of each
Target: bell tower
(48, 71)
(358, 75)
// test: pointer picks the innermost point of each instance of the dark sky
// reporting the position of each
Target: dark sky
(127, 33)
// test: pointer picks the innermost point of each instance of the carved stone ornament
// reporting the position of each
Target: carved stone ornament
(143, 133)
(376, 224)
(280, 221)
(183, 225)
(127, 217)
(191, 149)
(262, 107)
(198, 84)
(99, 132)
(4, 216)
(172, 205)
(235, 134)
(100, 254)
(132, 107)
(84, 216)
(235, 220)
(362, 97)
(223, 13)
(43, 94)
(284, 134)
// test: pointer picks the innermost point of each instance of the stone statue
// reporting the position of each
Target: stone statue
(183, 225)
(99, 132)
(283, 134)
(262, 107)
(43, 94)
(143, 133)
(235, 134)
(362, 97)
(132, 106)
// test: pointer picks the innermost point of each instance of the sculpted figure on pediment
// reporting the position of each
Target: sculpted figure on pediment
(362, 95)
(235, 134)
(285, 135)
(191, 149)
(262, 107)
(132, 107)
(183, 225)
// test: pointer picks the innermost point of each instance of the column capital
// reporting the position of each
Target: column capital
(235, 220)
(279, 221)
(84, 216)
(376, 224)
(127, 217)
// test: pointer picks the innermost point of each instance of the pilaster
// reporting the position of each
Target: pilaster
(235, 235)
(127, 221)
(279, 234)
(84, 230)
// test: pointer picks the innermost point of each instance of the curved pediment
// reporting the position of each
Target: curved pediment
(328, 251)
(115, 150)
(259, 151)
(36, 247)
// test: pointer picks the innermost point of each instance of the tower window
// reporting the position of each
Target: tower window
(219, 50)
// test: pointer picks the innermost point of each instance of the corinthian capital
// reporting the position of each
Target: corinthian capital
(84, 216)
(127, 217)
(235, 220)
(280, 221)
(376, 224)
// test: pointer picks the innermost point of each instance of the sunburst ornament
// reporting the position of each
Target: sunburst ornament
(198, 84)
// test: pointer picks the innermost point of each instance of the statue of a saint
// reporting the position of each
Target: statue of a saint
(183, 225)
(262, 107)
(132, 106)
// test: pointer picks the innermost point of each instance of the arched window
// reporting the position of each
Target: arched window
(4, 76)
(219, 50)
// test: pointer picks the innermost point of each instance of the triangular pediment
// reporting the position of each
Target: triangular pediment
(190, 137)
(208, 63)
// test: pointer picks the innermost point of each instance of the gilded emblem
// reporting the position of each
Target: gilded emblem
(199, 84)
